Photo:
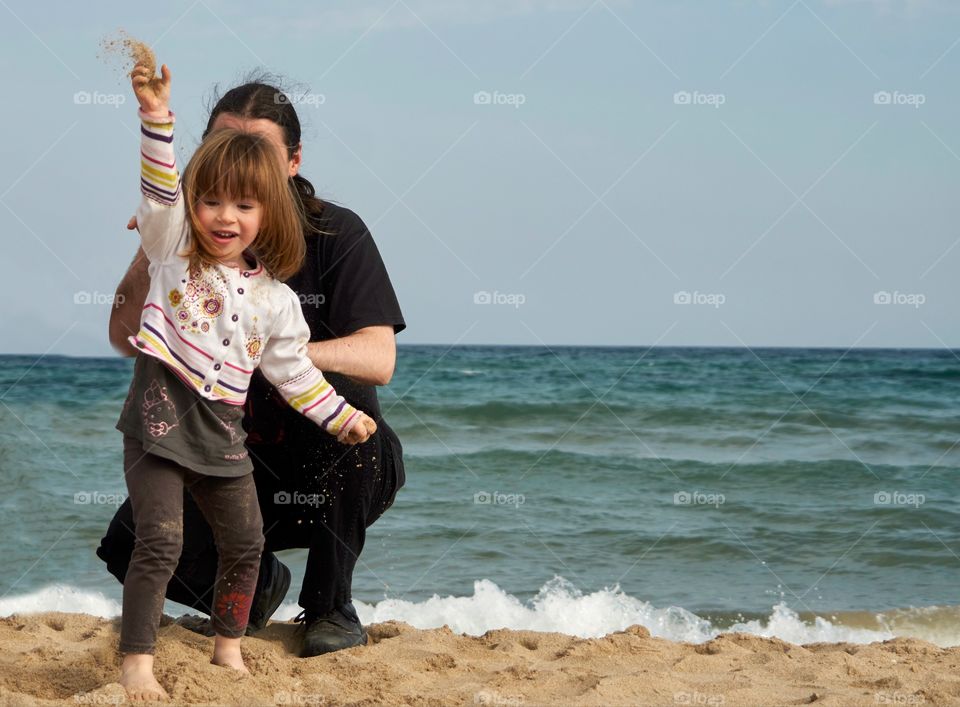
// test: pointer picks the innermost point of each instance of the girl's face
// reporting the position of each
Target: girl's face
(229, 225)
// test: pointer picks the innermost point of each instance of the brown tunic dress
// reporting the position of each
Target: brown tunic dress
(172, 421)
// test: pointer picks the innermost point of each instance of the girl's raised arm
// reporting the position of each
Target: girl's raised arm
(161, 217)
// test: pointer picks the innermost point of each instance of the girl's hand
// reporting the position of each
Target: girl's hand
(359, 431)
(151, 91)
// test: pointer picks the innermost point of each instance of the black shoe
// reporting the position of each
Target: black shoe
(335, 631)
(271, 594)
(265, 602)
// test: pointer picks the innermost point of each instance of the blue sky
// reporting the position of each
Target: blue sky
(674, 173)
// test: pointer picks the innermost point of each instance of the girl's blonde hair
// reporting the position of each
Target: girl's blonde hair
(233, 164)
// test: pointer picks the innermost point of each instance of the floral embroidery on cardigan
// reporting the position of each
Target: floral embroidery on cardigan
(254, 343)
(201, 300)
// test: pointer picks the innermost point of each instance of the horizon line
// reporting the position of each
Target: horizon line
(765, 347)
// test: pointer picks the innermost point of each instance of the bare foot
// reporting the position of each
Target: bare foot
(226, 653)
(136, 676)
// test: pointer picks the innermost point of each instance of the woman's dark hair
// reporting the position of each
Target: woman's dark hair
(260, 98)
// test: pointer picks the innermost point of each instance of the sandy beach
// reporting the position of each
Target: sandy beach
(70, 659)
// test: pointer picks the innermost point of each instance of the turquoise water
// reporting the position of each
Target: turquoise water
(723, 482)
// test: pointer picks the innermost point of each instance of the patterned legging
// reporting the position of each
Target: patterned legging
(229, 505)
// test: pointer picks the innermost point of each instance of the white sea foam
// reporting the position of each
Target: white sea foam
(58, 597)
(558, 606)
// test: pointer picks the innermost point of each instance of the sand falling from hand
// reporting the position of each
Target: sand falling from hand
(126, 52)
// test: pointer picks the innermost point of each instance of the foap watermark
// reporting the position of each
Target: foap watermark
(898, 498)
(95, 98)
(99, 498)
(97, 298)
(492, 697)
(285, 498)
(912, 299)
(898, 698)
(486, 98)
(92, 698)
(300, 99)
(298, 698)
(485, 498)
(712, 299)
(698, 498)
(896, 98)
(696, 98)
(313, 300)
(514, 299)
(698, 698)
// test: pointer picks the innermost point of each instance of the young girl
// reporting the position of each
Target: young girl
(219, 244)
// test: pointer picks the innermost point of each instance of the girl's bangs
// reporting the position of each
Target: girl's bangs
(236, 171)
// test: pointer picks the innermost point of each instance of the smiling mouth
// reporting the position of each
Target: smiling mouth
(222, 236)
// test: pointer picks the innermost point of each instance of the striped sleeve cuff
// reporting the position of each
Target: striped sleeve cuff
(159, 178)
(311, 395)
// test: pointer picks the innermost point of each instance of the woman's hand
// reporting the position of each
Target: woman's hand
(359, 431)
(152, 92)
